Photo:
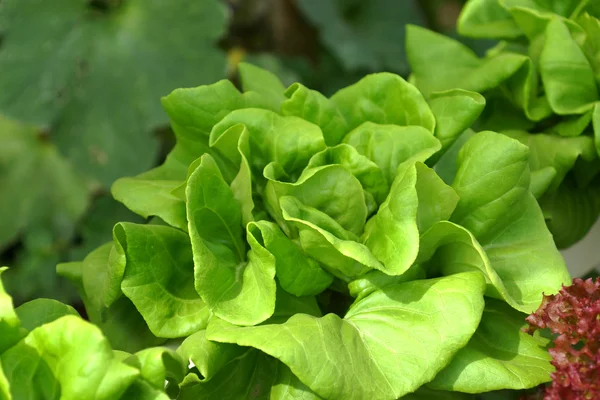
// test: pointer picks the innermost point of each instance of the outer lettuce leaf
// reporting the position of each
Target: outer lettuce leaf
(500, 355)
(384, 98)
(236, 290)
(39, 312)
(487, 19)
(10, 326)
(67, 359)
(166, 297)
(495, 205)
(262, 82)
(440, 63)
(567, 74)
(386, 346)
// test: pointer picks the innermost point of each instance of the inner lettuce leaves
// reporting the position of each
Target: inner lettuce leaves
(541, 83)
(352, 247)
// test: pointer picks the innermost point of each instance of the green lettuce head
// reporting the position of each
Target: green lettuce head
(324, 248)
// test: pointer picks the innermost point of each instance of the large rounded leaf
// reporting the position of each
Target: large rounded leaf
(388, 344)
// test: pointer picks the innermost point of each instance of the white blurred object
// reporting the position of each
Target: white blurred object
(584, 255)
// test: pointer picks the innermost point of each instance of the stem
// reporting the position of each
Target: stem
(579, 9)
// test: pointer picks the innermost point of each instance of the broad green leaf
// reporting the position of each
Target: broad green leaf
(67, 359)
(366, 171)
(251, 375)
(425, 393)
(487, 19)
(554, 151)
(262, 82)
(591, 46)
(498, 356)
(165, 297)
(312, 106)
(568, 77)
(39, 312)
(455, 111)
(492, 176)
(296, 273)
(437, 200)
(571, 211)
(440, 63)
(40, 188)
(364, 35)
(148, 198)
(121, 323)
(331, 189)
(384, 98)
(325, 240)
(209, 357)
(102, 278)
(446, 167)
(237, 287)
(158, 364)
(386, 346)
(290, 141)
(388, 146)
(495, 205)
(10, 326)
(62, 76)
(447, 248)
(392, 235)
(524, 88)
(377, 280)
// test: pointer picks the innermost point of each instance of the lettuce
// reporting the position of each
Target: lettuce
(318, 248)
(541, 83)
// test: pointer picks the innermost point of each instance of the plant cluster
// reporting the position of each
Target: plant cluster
(573, 316)
(309, 247)
(541, 83)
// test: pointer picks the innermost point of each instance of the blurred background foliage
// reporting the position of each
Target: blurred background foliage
(80, 88)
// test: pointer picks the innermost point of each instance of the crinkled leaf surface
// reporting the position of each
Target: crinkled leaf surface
(498, 356)
(93, 78)
(386, 346)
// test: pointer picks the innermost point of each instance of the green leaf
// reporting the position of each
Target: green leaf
(440, 63)
(574, 125)
(495, 205)
(237, 290)
(392, 235)
(498, 356)
(331, 189)
(384, 98)
(262, 82)
(40, 188)
(64, 77)
(157, 365)
(388, 146)
(290, 141)
(165, 297)
(312, 106)
(425, 393)
(377, 280)
(366, 353)
(325, 240)
(446, 167)
(364, 35)
(367, 172)
(560, 153)
(591, 46)
(36, 366)
(596, 125)
(296, 273)
(567, 74)
(487, 19)
(571, 211)
(251, 375)
(455, 111)
(9, 321)
(437, 200)
(39, 312)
